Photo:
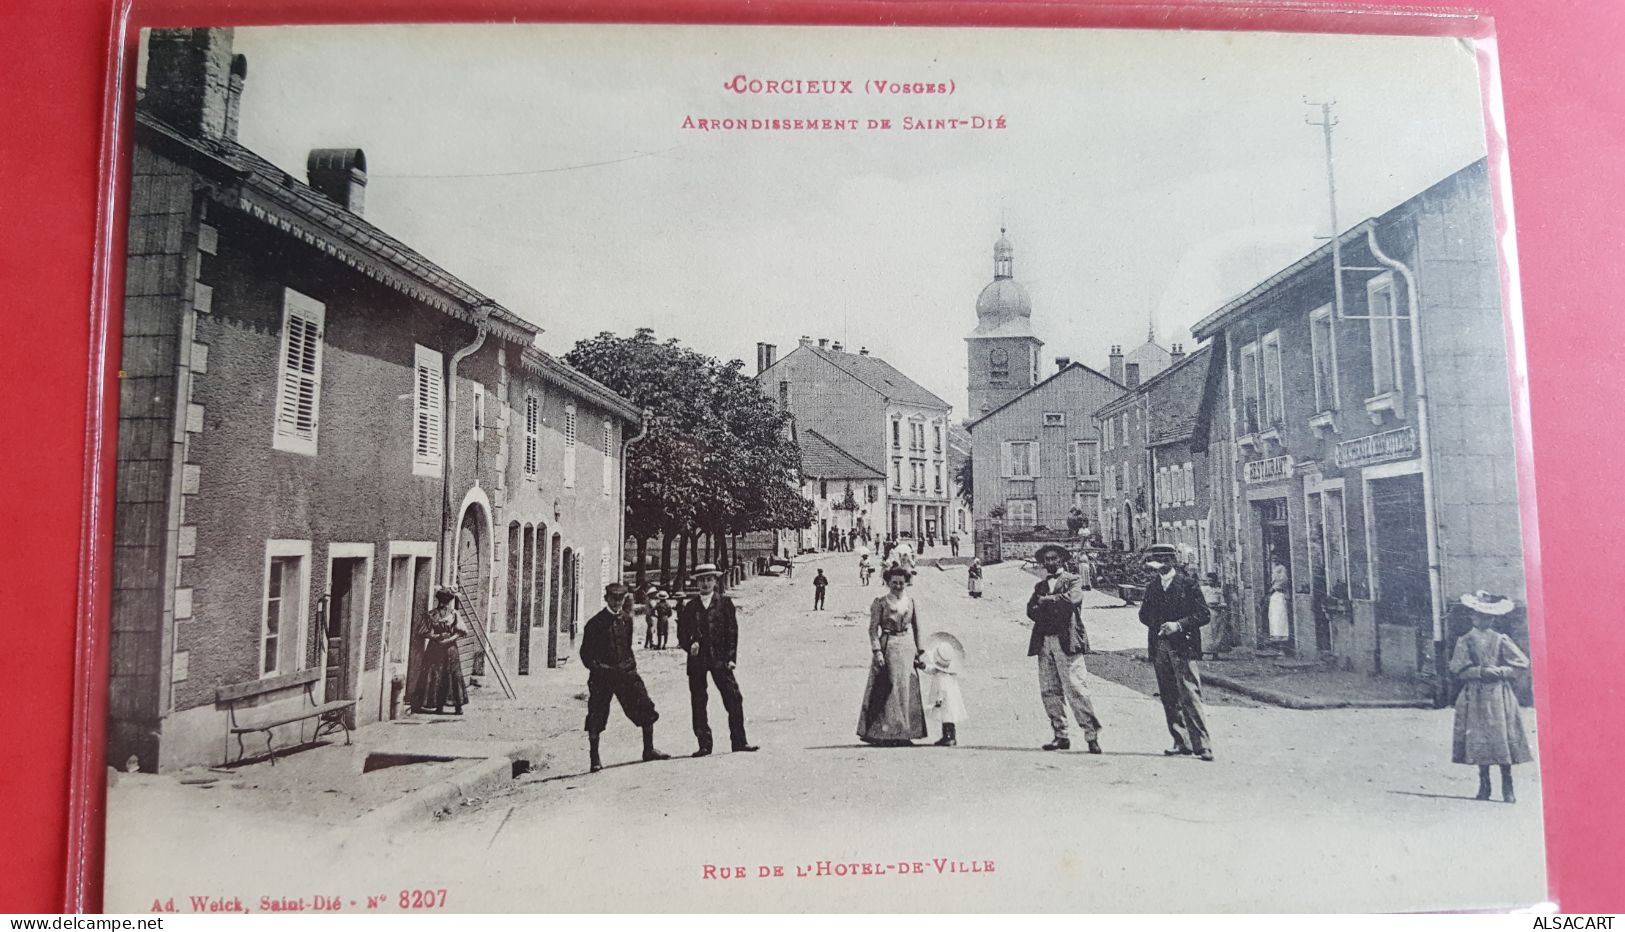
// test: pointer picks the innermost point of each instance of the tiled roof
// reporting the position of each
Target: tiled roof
(323, 221)
(880, 375)
(821, 459)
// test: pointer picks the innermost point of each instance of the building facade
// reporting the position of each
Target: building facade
(888, 422)
(1371, 431)
(317, 426)
(843, 491)
(1154, 471)
(1038, 456)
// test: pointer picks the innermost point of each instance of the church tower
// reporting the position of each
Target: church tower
(1003, 350)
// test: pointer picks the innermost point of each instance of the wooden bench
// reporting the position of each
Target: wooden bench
(329, 716)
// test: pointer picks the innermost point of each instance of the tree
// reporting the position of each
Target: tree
(716, 458)
(964, 476)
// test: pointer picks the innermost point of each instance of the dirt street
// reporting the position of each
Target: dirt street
(1301, 811)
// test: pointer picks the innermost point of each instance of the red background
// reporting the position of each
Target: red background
(1565, 106)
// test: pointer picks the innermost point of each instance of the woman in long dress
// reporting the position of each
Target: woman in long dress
(1489, 727)
(442, 679)
(1279, 622)
(893, 713)
(973, 579)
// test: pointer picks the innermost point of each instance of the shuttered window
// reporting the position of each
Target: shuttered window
(609, 456)
(532, 422)
(427, 412)
(1020, 460)
(299, 376)
(569, 446)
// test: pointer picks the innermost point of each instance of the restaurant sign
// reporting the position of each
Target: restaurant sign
(1395, 444)
(1273, 469)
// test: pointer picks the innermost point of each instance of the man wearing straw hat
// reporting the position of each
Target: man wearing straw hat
(1059, 643)
(708, 631)
(1173, 613)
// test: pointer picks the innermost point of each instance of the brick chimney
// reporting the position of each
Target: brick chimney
(836, 346)
(1061, 362)
(805, 340)
(766, 355)
(1116, 368)
(341, 174)
(863, 351)
(234, 93)
(823, 343)
(1178, 352)
(190, 73)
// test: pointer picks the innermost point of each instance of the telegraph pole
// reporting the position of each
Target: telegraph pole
(1326, 122)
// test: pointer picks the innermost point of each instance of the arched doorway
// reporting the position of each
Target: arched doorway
(471, 568)
(567, 598)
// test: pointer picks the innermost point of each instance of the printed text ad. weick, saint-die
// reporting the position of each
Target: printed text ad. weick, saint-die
(810, 89)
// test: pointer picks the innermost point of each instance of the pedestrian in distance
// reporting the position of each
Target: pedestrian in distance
(944, 659)
(642, 609)
(953, 544)
(1488, 727)
(866, 568)
(708, 631)
(1059, 642)
(612, 673)
(893, 712)
(662, 612)
(820, 583)
(1174, 612)
(442, 679)
(973, 578)
(1277, 611)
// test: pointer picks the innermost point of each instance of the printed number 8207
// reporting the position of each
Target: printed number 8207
(423, 899)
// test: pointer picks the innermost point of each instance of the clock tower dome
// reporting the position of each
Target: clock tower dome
(1003, 350)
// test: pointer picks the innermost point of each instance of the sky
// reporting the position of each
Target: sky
(1144, 177)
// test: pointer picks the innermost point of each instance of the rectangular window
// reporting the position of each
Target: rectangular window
(299, 373)
(1020, 460)
(936, 432)
(479, 413)
(428, 400)
(1250, 413)
(1274, 402)
(533, 418)
(897, 474)
(916, 436)
(283, 618)
(823, 488)
(1054, 419)
(784, 394)
(1161, 490)
(1387, 374)
(917, 479)
(1083, 459)
(569, 446)
(1324, 353)
(1021, 512)
(896, 433)
(609, 457)
(939, 471)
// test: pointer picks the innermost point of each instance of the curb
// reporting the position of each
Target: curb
(477, 779)
(1286, 700)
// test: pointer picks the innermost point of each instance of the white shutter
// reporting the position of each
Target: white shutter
(531, 418)
(299, 380)
(1033, 470)
(428, 411)
(569, 446)
(609, 456)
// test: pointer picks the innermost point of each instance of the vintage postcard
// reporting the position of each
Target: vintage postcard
(700, 468)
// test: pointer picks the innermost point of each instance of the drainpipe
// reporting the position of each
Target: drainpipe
(482, 317)
(1430, 517)
(626, 454)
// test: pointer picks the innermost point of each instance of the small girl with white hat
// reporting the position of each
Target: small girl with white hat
(944, 658)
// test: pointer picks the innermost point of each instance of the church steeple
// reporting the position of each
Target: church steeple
(1003, 258)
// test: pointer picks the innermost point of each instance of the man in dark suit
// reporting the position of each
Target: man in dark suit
(612, 673)
(1059, 643)
(708, 630)
(1173, 613)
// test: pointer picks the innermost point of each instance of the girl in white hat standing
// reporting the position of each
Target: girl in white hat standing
(1489, 727)
(944, 658)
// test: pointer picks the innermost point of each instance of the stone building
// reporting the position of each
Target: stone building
(841, 488)
(317, 426)
(1037, 456)
(1003, 351)
(1154, 475)
(1371, 428)
(885, 420)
